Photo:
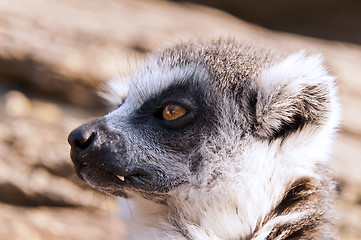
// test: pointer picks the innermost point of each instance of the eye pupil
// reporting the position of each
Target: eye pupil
(173, 111)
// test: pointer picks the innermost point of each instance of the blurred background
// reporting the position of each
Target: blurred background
(54, 54)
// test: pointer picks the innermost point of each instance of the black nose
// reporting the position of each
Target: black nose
(81, 139)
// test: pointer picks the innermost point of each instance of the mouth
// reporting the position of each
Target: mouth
(117, 179)
(133, 178)
(112, 179)
(122, 178)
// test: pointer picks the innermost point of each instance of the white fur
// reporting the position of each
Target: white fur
(294, 72)
(266, 230)
(115, 91)
(287, 79)
(156, 77)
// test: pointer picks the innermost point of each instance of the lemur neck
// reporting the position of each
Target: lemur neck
(212, 216)
(304, 210)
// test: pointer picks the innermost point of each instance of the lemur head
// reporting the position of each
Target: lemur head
(211, 118)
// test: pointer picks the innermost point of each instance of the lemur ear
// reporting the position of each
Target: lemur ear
(292, 93)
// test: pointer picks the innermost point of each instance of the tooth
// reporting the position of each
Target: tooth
(120, 177)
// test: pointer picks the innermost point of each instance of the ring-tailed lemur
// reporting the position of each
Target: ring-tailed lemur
(218, 140)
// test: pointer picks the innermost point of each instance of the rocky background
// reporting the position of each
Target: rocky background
(54, 54)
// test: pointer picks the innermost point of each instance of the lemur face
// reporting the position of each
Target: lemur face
(151, 143)
(196, 114)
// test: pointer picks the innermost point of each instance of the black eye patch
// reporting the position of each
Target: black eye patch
(177, 98)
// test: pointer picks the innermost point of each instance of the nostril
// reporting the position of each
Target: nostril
(81, 144)
(80, 140)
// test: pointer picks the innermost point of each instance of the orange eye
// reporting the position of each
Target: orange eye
(173, 111)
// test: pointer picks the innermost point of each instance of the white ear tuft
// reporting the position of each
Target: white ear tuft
(296, 70)
(115, 91)
(292, 93)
